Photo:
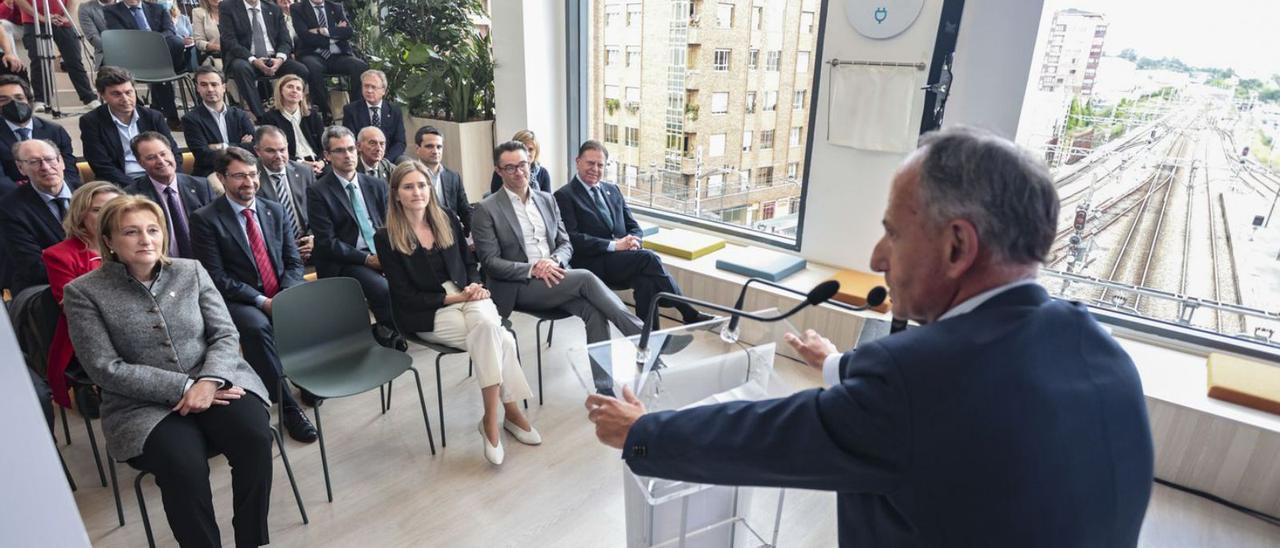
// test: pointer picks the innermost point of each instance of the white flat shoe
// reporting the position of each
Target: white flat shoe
(492, 453)
(527, 437)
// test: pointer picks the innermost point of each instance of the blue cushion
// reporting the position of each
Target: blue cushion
(760, 263)
(647, 229)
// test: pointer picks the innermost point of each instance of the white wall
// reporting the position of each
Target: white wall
(530, 79)
(993, 57)
(36, 508)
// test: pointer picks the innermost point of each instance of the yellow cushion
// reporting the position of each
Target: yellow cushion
(683, 243)
(310, 276)
(1245, 382)
(86, 172)
(188, 162)
(854, 285)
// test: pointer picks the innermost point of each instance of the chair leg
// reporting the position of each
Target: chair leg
(382, 397)
(70, 482)
(538, 339)
(289, 470)
(66, 430)
(470, 366)
(280, 406)
(551, 330)
(115, 488)
(142, 507)
(324, 457)
(389, 383)
(417, 379)
(440, 400)
(93, 444)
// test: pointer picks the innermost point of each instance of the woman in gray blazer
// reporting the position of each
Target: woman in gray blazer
(155, 335)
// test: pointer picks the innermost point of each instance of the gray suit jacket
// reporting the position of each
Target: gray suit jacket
(92, 23)
(300, 176)
(500, 244)
(142, 346)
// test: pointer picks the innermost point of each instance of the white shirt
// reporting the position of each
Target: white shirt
(220, 118)
(831, 365)
(301, 146)
(532, 227)
(435, 182)
(262, 24)
(244, 229)
(613, 245)
(30, 125)
(127, 132)
(319, 10)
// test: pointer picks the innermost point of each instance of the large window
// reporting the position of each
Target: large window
(694, 97)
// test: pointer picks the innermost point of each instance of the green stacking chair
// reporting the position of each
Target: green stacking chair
(146, 55)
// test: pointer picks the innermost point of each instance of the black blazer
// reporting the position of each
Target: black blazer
(119, 17)
(221, 246)
(40, 129)
(201, 131)
(300, 178)
(195, 192)
(334, 223)
(304, 19)
(1021, 423)
(538, 174)
(587, 231)
(27, 227)
(455, 197)
(312, 129)
(236, 32)
(355, 116)
(102, 146)
(416, 294)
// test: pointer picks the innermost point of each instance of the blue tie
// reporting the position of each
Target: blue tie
(140, 18)
(24, 134)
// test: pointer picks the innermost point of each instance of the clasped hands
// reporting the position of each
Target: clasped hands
(548, 271)
(204, 394)
(626, 243)
(473, 292)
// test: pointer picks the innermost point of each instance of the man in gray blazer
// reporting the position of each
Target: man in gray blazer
(92, 24)
(285, 182)
(525, 251)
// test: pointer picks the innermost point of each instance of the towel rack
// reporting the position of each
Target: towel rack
(838, 62)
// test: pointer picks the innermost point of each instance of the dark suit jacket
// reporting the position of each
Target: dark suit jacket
(455, 197)
(40, 129)
(303, 16)
(416, 293)
(588, 232)
(102, 146)
(381, 170)
(334, 223)
(201, 131)
(27, 227)
(1021, 423)
(300, 178)
(355, 116)
(235, 31)
(537, 173)
(119, 17)
(500, 245)
(222, 248)
(195, 191)
(312, 129)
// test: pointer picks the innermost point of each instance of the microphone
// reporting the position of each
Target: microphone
(875, 298)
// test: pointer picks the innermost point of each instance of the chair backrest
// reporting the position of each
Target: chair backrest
(34, 315)
(143, 52)
(319, 321)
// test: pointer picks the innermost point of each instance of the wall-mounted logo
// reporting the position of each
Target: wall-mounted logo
(871, 17)
(881, 14)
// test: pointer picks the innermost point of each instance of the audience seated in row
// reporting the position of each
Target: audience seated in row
(177, 194)
(31, 216)
(21, 124)
(92, 23)
(255, 44)
(106, 131)
(324, 46)
(213, 126)
(285, 182)
(150, 16)
(446, 182)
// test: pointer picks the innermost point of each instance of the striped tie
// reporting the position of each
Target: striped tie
(270, 286)
(286, 199)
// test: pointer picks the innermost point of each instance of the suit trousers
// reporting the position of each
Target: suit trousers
(476, 327)
(582, 294)
(246, 76)
(375, 290)
(258, 343)
(345, 65)
(69, 48)
(642, 271)
(177, 452)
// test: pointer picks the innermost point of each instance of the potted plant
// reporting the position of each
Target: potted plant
(439, 65)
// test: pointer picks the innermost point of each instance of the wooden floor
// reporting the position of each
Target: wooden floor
(390, 491)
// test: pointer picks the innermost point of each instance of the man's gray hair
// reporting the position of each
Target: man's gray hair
(1007, 193)
(334, 132)
(18, 146)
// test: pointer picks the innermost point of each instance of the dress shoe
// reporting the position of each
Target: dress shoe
(390, 338)
(299, 427)
(493, 453)
(527, 437)
(308, 399)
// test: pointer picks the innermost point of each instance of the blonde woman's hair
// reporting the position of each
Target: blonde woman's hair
(530, 142)
(209, 8)
(115, 210)
(400, 228)
(304, 108)
(81, 202)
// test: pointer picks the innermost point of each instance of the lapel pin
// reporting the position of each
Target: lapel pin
(172, 294)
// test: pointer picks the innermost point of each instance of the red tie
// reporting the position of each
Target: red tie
(270, 286)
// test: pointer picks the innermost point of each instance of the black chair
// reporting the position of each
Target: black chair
(441, 350)
(549, 316)
(146, 55)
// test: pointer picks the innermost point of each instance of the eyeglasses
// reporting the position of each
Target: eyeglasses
(35, 162)
(242, 176)
(513, 168)
(347, 150)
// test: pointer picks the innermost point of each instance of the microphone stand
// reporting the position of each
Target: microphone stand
(874, 298)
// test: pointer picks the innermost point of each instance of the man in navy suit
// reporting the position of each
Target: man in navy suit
(247, 246)
(606, 238)
(214, 125)
(374, 111)
(255, 43)
(324, 46)
(106, 131)
(447, 183)
(178, 194)
(346, 208)
(1007, 419)
(139, 15)
(31, 216)
(20, 125)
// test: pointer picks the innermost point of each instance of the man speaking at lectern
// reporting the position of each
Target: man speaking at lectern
(1007, 419)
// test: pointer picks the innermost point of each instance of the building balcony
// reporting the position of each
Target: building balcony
(691, 79)
(692, 36)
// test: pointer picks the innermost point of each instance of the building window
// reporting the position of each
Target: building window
(766, 210)
(751, 102)
(633, 14)
(757, 17)
(721, 61)
(793, 171)
(795, 136)
(797, 100)
(612, 56)
(633, 95)
(766, 139)
(764, 176)
(746, 141)
(612, 92)
(610, 133)
(720, 102)
(802, 62)
(715, 184)
(633, 137)
(612, 13)
(772, 61)
(806, 22)
(753, 59)
(633, 56)
(715, 145)
(724, 16)
(770, 101)
(630, 174)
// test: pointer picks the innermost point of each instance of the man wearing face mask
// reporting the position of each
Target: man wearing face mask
(20, 125)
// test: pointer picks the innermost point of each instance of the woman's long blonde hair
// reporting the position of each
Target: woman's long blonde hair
(81, 203)
(304, 109)
(115, 210)
(400, 227)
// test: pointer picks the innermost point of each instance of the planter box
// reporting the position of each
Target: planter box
(468, 150)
